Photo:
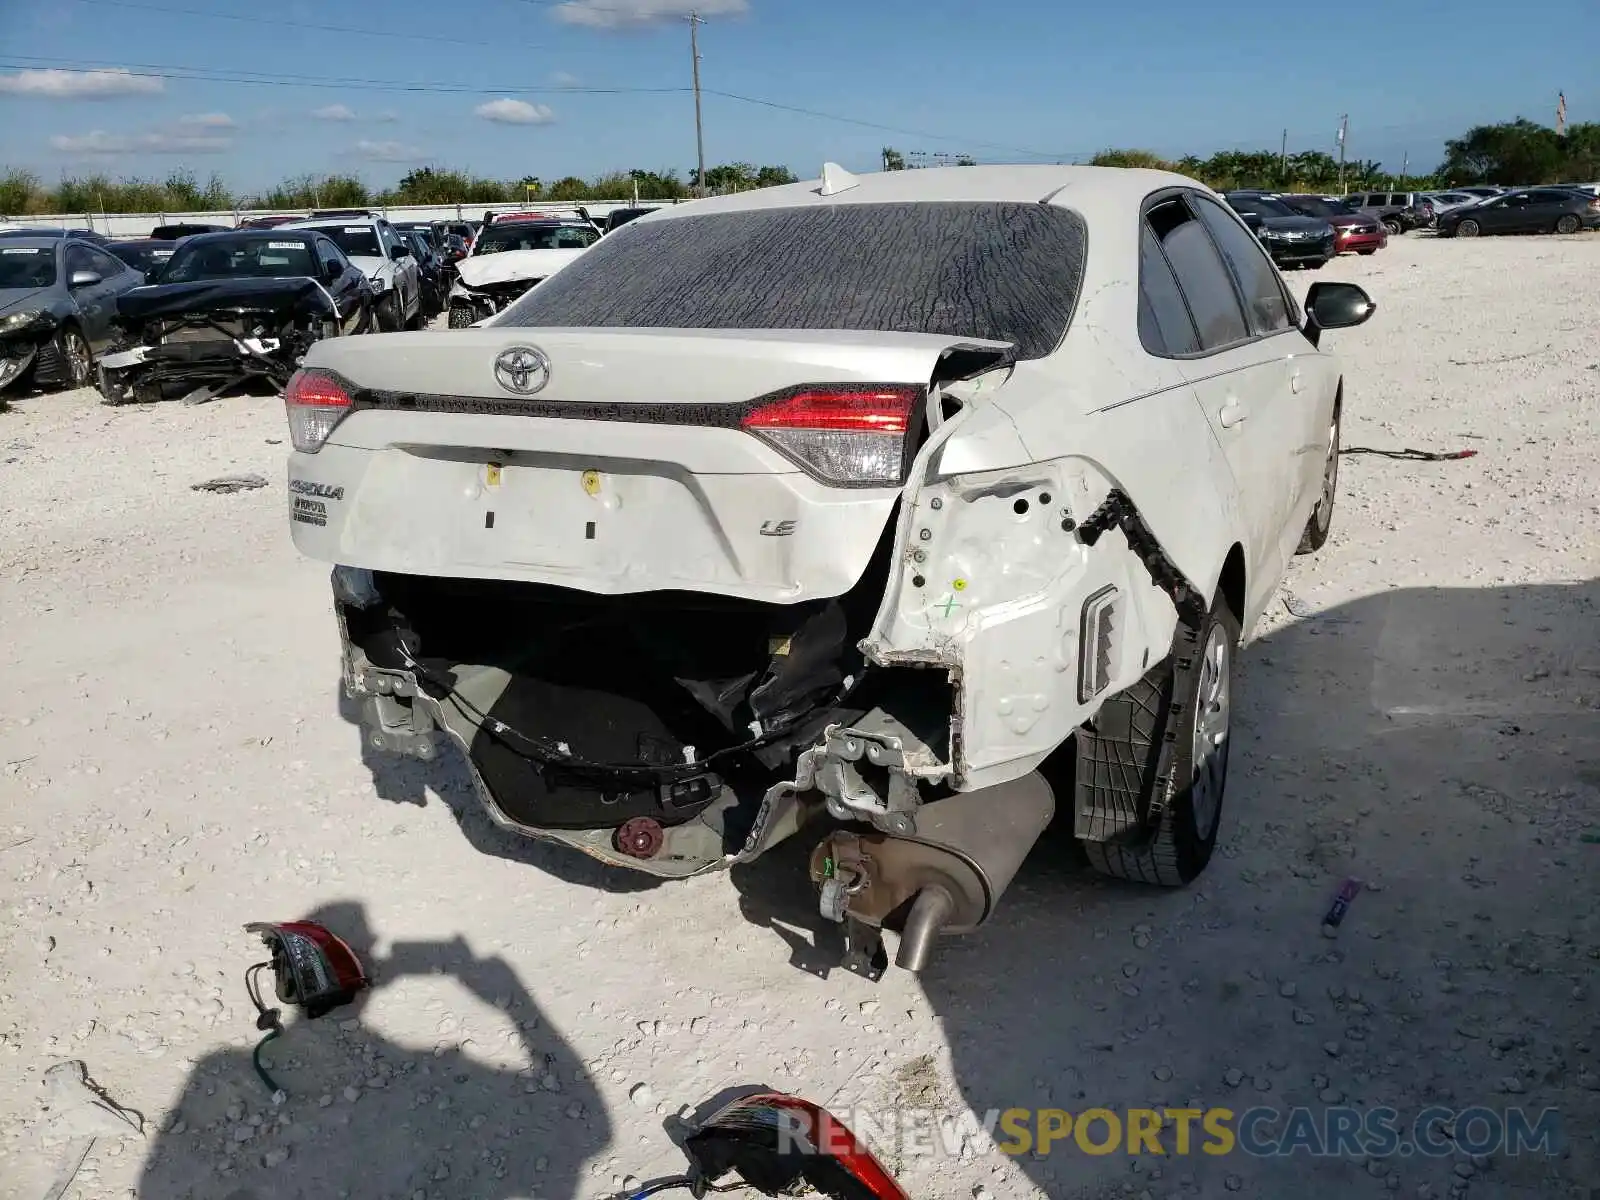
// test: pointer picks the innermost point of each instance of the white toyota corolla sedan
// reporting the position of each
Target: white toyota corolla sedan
(905, 508)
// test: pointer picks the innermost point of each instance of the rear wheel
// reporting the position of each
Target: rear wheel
(1468, 228)
(1568, 224)
(1320, 522)
(1368, 250)
(1394, 227)
(1117, 762)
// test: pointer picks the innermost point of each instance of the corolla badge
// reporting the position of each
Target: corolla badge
(522, 369)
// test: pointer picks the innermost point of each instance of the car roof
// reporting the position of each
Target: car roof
(326, 223)
(32, 241)
(1099, 188)
(245, 235)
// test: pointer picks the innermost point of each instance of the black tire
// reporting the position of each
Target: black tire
(1567, 223)
(1395, 228)
(65, 362)
(1117, 761)
(1315, 264)
(388, 313)
(1320, 523)
(1369, 250)
(1467, 228)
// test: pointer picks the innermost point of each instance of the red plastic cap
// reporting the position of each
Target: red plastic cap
(854, 410)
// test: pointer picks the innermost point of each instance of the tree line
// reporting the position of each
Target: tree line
(1512, 152)
(24, 193)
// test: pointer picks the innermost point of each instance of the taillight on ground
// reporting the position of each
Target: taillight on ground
(315, 403)
(846, 436)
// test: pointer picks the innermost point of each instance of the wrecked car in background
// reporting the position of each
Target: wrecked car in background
(509, 257)
(377, 248)
(57, 298)
(145, 255)
(903, 508)
(230, 309)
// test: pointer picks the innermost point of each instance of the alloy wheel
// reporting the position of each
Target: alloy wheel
(1211, 718)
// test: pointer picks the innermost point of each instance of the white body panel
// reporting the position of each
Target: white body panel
(479, 269)
(402, 277)
(1218, 452)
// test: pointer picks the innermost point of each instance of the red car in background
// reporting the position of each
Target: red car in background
(1353, 232)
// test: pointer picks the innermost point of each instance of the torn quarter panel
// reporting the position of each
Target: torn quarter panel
(995, 587)
(629, 471)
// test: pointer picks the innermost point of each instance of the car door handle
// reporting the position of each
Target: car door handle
(1231, 414)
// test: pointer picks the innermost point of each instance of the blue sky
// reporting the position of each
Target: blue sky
(495, 83)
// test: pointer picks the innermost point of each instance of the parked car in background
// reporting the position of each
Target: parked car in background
(28, 231)
(145, 255)
(1292, 238)
(1353, 232)
(1533, 210)
(436, 279)
(378, 249)
(617, 218)
(1444, 202)
(58, 296)
(231, 308)
(1482, 191)
(171, 233)
(1399, 211)
(510, 256)
(269, 222)
(787, 510)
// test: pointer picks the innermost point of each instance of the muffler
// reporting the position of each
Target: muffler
(947, 878)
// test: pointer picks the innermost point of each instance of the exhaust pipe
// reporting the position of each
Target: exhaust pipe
(947, 877)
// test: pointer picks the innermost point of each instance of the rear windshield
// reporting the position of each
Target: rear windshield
(234, 258)
(1007, 272)
(1260, 206)
(521, 235)
(143, 256)
(27, 266)
(357, 241)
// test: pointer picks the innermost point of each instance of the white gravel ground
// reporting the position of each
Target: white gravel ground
(1421, 711)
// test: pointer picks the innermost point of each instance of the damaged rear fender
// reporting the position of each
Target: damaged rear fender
(992, 584)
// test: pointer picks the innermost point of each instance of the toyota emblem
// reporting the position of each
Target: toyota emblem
(522, 369)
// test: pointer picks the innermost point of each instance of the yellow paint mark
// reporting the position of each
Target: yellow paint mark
(591, 482)
(492, 474)
(778, 646)
(960, 585)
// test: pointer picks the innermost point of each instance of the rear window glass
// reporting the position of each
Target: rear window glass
(1007, 272)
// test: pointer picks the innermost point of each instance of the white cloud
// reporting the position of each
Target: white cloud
(211, 120)
(389, 151)
(514, 112)
(99, 142)
(631, 14)
(80, 85)
(334, 112)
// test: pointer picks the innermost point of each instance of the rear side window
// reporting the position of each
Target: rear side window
(1165, 327)
(1252, 270)
(1200, 273)
(1552, 197)
(1007, 272)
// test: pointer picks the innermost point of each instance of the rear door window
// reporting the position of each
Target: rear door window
(978, 269)
(1165, 327)
(1252, 270)
(1201, 274)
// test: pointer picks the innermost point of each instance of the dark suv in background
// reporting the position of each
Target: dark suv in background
(1399, 211)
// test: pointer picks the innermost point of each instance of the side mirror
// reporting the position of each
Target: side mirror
(332, 271)
(82, 279)
(400, 251)
(1335, 306)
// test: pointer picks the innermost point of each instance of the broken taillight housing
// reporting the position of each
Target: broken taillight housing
(847, 436)
(315, 402)
(313, 967)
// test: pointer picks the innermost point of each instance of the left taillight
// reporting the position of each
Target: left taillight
(315, 402)
(846, 436)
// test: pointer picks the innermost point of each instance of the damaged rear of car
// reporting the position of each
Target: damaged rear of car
(230, 310)
(839, 507)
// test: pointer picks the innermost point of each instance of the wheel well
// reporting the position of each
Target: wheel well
(1231, 582)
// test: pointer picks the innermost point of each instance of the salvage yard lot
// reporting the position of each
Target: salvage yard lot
(1421, 710)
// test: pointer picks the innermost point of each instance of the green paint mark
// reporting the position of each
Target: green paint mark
(950, 605)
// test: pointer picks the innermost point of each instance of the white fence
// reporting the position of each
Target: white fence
(132, 225)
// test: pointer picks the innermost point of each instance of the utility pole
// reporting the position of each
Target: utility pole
(1344, 128)
(1283, 154)
(695, 22)
(1405, 161)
